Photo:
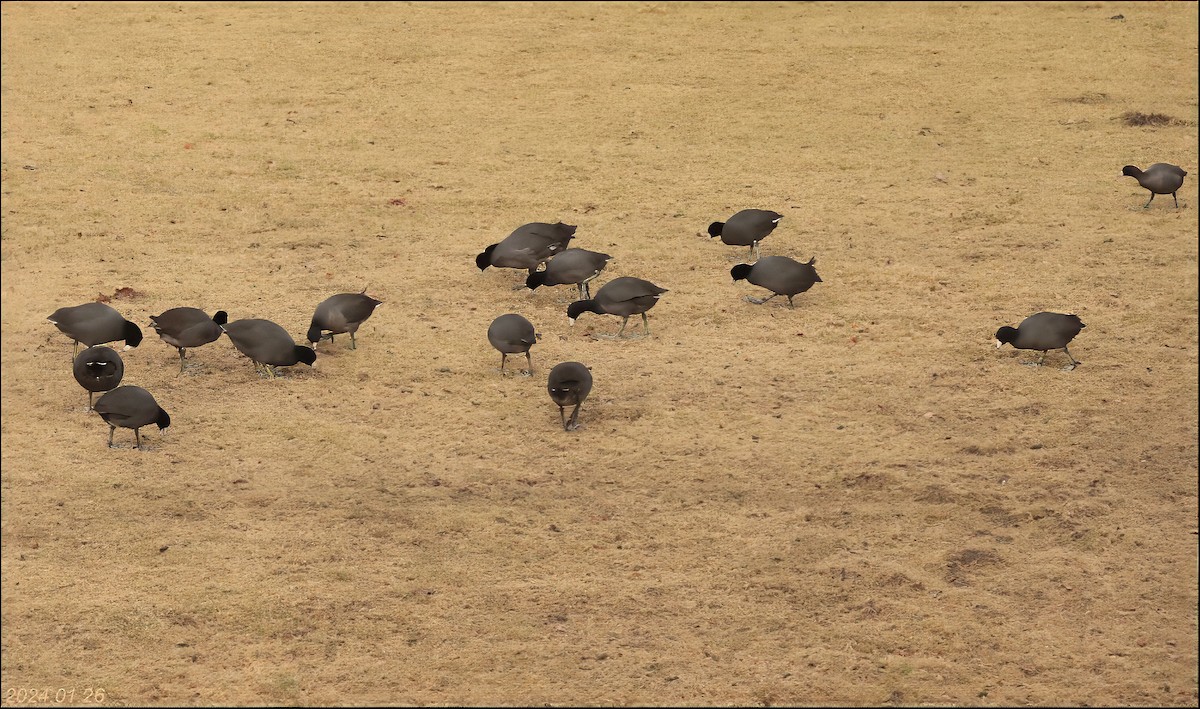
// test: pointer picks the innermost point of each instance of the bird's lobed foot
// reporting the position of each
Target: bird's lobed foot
(1070, 367)
(756, 301)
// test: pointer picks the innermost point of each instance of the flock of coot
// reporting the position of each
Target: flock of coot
(539, 248)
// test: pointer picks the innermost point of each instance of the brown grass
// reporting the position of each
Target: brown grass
(858, 501)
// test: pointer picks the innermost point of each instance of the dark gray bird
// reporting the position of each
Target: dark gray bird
(98, 368)
(95, 324)
(267, 345)
(512, 334)
(527, 247)
(779, 274)
(1159, 178)
(577, 266)
(746, 228)
(131, 407)
(1043, 331)
(339, 314)
(185, 327)
(569, 384)
(622, 296)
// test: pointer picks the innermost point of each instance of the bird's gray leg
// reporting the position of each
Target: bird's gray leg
(613, 337)
(75, 350)
(1073, 363)
(528, 364)
(111, 430)
(587, 284)
(353, 342)
(503, 358)
(760, 301)
(790, 303)
(1038, 363)
(1176, 200)
(137, 438)
(563, 417)
(1149, 201)
(181, 355)
(645, 324)
(574, 422)
(90, 400)
(271, 371)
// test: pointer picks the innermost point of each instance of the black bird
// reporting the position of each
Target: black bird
(779, 274)
(528, 246)
(577, 266)
(1043, 331)
(622, 296)
(746, 228)
(341, 313)
(1159, 178)
(131, 407)
(267, 345)
(569, 384)
(95, 324)
(512, 334)
(187, 327)
(98, 368)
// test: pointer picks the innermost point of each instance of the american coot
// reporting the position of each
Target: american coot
(341, 313)
(187, 327)
(267, 345)
(779, 274)
(527, 247)
(577, 266)
(95, 324)
(131, 407)
(746, 228)
(512, 334)
(98, 368)
(1159, 178)
(1043, 331)
(569, 384)
(622, 296)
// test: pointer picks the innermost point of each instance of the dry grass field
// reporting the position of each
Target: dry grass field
(858, 501)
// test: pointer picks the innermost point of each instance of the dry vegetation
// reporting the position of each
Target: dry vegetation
(859, 501)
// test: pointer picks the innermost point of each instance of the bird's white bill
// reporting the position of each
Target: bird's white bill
(127, 348)
(999, 344)
(572, 320)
